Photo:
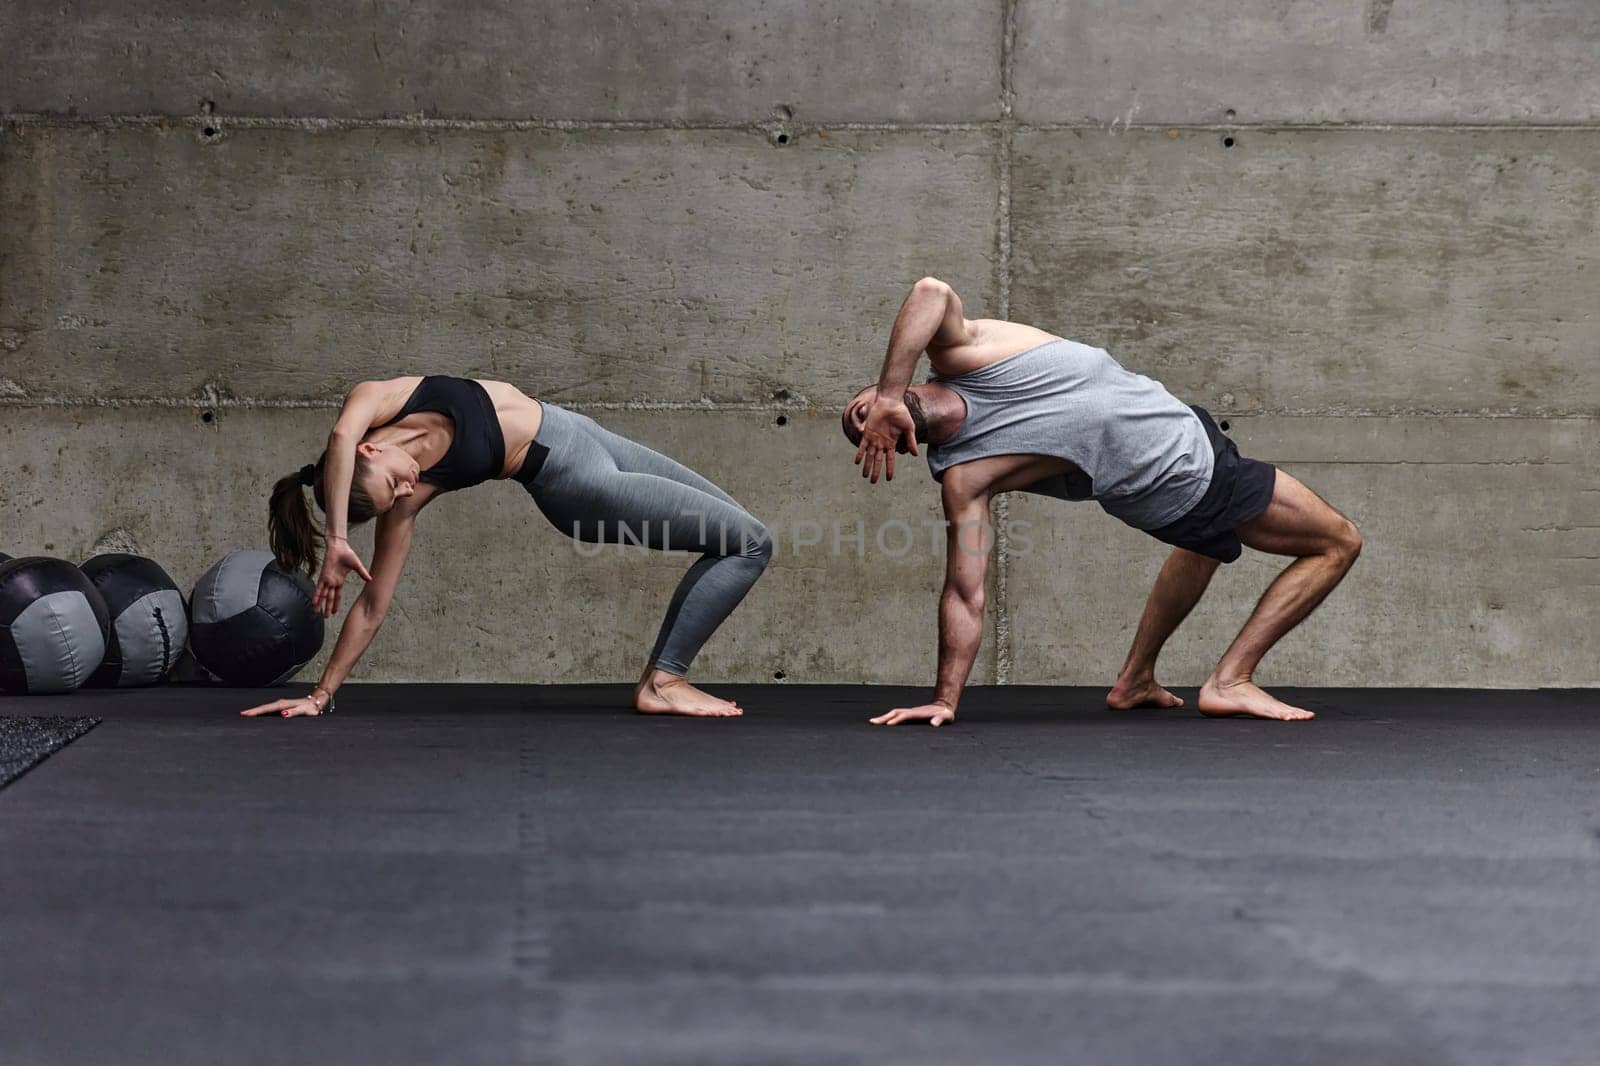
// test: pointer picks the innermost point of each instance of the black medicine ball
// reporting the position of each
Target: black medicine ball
(251, 623)
(149, 623)
(53, 626)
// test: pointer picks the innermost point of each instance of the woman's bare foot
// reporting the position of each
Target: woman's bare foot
(1127, 694)
(659, 692)
(1224, 700)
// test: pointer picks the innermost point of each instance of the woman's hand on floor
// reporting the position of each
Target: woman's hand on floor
(304, 707)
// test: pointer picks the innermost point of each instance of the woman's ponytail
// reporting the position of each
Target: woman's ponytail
(293, 537)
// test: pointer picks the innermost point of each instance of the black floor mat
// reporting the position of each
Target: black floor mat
(27, 742)
(530, 875)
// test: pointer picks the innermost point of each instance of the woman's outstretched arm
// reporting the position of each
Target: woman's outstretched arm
(393, 546)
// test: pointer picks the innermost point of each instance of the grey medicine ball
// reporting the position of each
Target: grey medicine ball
(53, 626)
(251, 623)
(149, 623)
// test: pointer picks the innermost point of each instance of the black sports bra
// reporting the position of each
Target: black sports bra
(477, 449)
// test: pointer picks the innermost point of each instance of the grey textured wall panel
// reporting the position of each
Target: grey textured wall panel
(828, 60)
(600, 266)
(1480, 565)
(493, 592)
(1322, 271)
(1413, 272)
(1302, 61)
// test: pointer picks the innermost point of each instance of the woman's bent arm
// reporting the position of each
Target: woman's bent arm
(360, 412)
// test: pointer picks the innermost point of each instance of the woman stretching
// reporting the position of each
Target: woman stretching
(400, 444)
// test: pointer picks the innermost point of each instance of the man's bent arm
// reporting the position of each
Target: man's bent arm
(931, 315)
(969, 539)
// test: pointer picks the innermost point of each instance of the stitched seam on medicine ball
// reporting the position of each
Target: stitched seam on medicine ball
(166, 642)
(61, 631)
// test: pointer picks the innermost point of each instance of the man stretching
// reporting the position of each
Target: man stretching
(1010, 407)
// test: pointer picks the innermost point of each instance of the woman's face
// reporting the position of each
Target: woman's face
(391, 474)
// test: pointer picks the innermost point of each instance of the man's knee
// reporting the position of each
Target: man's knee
(1347, 543)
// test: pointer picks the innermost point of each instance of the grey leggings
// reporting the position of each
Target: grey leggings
(598, 488)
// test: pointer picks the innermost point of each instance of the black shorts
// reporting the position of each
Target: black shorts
(1240, 490)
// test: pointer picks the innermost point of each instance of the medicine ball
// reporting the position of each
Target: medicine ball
(149, 623)
(53, 626)
(251, 623)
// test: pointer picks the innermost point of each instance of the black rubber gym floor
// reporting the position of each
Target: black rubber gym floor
(502, 875)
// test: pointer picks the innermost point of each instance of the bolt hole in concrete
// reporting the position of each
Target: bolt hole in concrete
(1227, 142)
(781, 420)
(1224, 425)
(778, 675)
(783, 138)
(208, 417)
(210, 131)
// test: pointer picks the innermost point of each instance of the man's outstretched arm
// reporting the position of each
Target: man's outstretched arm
(931, 315)
(969, 538)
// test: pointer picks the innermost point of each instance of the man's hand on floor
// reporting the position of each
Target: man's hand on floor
(935, 714)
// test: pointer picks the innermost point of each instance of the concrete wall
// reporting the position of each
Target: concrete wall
(1363, 232)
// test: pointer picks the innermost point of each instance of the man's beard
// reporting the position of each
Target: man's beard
(919, 418)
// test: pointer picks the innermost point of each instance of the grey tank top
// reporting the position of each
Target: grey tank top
(1143, 453)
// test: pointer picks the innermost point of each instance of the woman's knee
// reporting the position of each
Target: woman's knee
(757, 543)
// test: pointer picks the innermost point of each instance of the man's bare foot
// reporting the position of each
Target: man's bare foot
(1218, 700)
(1128, 694)
(663, 693)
